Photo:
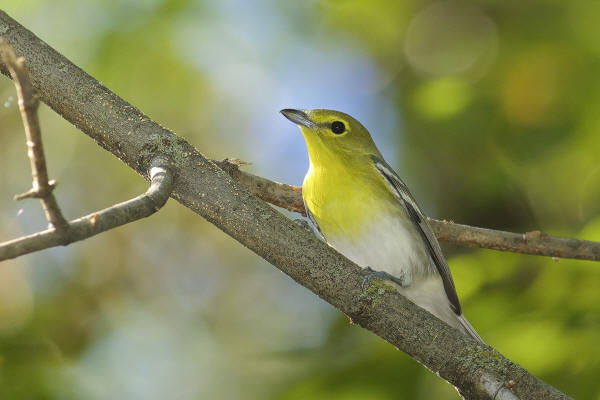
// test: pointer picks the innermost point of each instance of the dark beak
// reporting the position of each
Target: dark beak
(298, 117)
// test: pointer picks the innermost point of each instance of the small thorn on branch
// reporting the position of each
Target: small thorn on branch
(36, 192)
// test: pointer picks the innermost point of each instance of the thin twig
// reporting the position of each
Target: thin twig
(536, 242)
(146, 204)
(28, 105)
(279, 194)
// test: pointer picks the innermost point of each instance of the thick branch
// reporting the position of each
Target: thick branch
(479, 371)
(28, 105)
(536, 242)
(82, 228)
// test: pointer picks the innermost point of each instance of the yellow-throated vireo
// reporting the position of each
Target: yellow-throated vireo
(362, 208)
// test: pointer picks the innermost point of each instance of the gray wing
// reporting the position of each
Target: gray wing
(420, 222)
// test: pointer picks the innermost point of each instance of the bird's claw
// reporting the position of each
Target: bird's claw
(371, 274)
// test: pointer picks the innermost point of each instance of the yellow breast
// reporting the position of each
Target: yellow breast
(345, 200)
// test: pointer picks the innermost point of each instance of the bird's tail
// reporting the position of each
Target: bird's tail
(468, 329)
(430, 295)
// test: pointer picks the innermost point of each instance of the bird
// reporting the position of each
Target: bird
(359, 205)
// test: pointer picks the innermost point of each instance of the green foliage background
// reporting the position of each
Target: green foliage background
(488, 109)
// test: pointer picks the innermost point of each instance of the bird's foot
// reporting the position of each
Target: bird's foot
(371, 274)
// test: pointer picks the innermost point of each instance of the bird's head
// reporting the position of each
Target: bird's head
(332, 136)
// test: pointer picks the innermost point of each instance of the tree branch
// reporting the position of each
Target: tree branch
(62, 232)
(535, 242)
(140, 207)
(479, 371)
(279, 194)
(28, 105)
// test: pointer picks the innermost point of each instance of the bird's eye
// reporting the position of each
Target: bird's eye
(338, 127)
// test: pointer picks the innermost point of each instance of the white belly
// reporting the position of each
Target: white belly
(393, 245)
(387, 244)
